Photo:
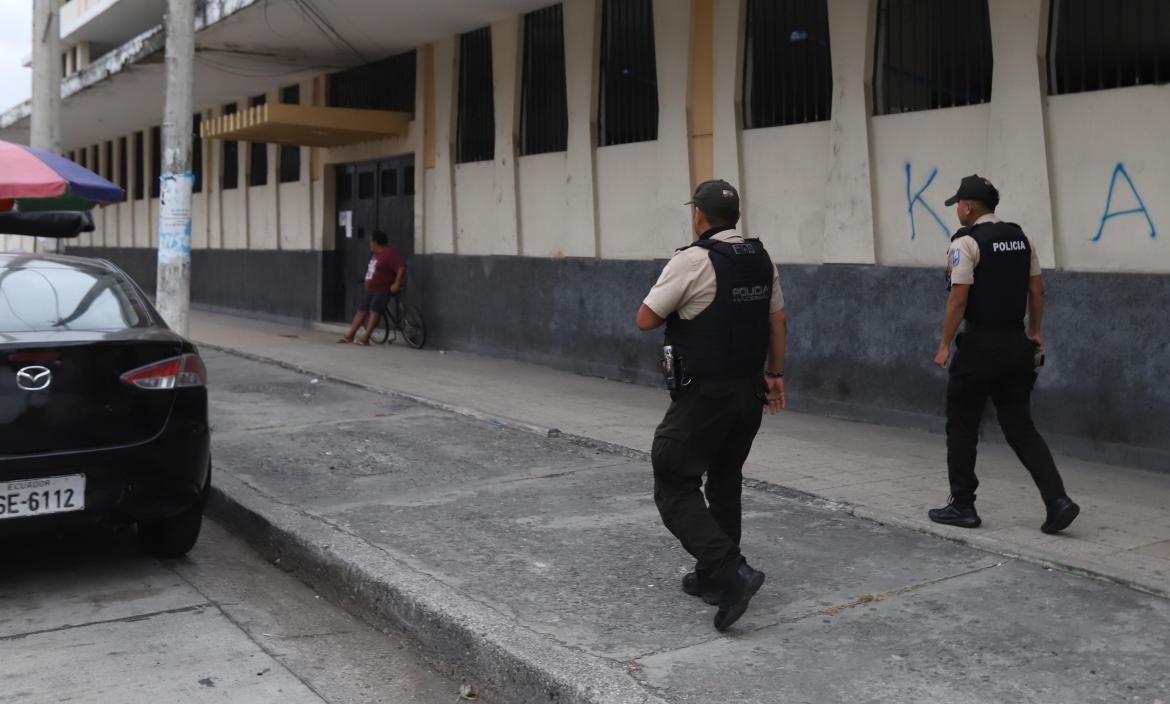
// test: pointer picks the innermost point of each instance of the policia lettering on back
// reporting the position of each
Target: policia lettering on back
(721, 301)
(995, 282)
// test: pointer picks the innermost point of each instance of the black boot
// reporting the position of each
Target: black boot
(691, 586)
(1061, 512)
(734, 598)
(958, 514)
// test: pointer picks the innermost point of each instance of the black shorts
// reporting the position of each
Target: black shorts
(376, 302)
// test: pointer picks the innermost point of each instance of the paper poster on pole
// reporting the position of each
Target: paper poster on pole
(174, 220)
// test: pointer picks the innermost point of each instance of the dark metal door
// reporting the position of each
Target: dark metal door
(377, 195)
(396, 202)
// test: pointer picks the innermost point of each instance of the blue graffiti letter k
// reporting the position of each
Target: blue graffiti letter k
(916, 199)
(1109, 215)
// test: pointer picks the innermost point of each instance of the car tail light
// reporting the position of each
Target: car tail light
(185, 371)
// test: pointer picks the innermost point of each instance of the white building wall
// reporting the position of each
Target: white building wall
(1110, 154)
(784, 203)
(918, 160)
(1071, 169)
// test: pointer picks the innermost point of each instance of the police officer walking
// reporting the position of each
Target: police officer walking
(721, 301)
(995, 279)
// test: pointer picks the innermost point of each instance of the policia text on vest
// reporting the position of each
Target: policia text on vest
(726, 331)
(995, 280)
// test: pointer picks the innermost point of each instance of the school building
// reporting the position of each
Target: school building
(531, 160)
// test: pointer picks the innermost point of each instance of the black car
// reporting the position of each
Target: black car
(103, 409)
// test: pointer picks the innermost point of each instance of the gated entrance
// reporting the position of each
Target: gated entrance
(372, 195)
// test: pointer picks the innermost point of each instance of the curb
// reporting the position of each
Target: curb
(1082, 567)
(465, 637)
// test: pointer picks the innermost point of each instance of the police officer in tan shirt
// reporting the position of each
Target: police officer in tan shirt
(721, 301)
(995, 280)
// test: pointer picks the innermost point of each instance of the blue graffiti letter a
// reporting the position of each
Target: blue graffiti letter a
(1109, 214)
(916, 199)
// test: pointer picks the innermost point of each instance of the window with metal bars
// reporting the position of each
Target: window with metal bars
(476, 133)
(109, 171)
(1102, 44)
(123, 166)
(139, 165)
(257, 152)
(94, 163)
(931, 55)
(544, 111)
(197, 153)
(230, 169)
(290, 154)
(382, 85)
(787, 77)
(628, 109)
(156, 155)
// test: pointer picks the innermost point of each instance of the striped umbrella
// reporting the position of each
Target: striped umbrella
(40, 180)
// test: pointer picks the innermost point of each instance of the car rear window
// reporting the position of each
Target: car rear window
(47, 298)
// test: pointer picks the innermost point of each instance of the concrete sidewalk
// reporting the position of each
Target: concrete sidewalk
(535, 568)
(889, 475)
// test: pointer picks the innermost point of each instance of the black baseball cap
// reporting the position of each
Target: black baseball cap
(715, 196)
(975, 187)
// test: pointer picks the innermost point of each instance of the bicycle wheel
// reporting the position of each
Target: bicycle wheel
(412, 326)
(382, 334)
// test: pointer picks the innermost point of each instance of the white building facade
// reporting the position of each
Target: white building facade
(532, 162)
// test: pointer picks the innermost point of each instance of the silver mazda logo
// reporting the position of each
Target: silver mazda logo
(34, 378)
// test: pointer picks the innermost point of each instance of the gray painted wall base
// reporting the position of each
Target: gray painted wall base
(861, 337)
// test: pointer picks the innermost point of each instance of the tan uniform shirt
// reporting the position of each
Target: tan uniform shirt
(687, 283)
(963, 256)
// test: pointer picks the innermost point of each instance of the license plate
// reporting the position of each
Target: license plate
(22, 498)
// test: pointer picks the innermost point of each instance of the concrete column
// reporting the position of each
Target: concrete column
(700, 93)
(672, 32)
(424, 152)
(582, 48)
(849, 220)
(1017, 146)
(442, 227)
(506, 37)
(45, 120)
(729, 17)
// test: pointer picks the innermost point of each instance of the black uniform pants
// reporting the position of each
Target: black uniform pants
(709, 428)
(997, 363)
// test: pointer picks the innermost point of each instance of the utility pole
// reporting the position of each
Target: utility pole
(174, 231)
(45, 121)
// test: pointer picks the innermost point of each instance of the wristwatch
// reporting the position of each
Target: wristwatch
(774, 375)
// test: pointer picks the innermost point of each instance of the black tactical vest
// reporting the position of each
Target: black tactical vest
(999, 296)
(729, 339)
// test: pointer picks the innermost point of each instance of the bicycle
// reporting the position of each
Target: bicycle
(401, 317)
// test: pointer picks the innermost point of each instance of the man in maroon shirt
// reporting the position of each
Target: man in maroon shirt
(383, 279)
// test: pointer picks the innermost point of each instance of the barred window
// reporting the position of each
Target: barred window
(476, 136)
(123, 166)
(257, 152)
(290, 154)
(230, 169)
(139, 165)
(383, 85)
(197, 152)
(156, 155)
(544, 111)
(109, 170)
(94, 162)
(628, 110)
(1102, 44)
(932, 55)
(787, 77)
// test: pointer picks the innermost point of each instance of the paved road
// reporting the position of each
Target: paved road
(564, 542)
(88, 619)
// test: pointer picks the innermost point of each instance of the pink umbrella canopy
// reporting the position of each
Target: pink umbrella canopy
(40, 180)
